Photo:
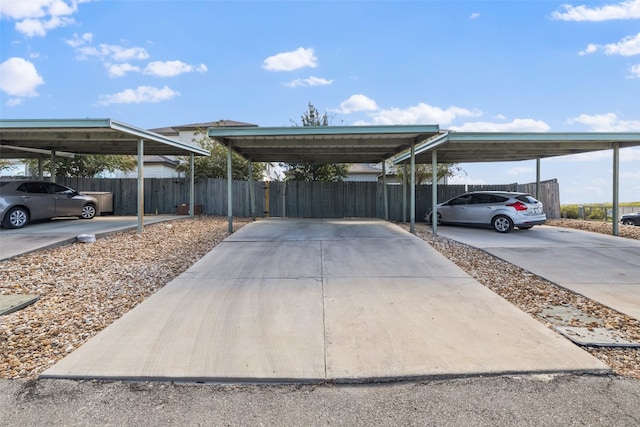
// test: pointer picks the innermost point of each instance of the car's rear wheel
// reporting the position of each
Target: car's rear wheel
(628, 222)
(16, 218)
(502, 224)
(88, 211)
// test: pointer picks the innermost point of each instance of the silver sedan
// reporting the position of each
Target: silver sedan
(24, 201)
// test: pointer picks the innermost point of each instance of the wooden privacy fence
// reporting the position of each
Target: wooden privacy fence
(290, 199)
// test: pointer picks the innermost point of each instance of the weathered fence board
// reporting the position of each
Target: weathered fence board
(291, 199)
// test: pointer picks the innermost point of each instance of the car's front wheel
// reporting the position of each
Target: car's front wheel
(439, 219)
(628, 222)
(502, 224)
(16, 218)
(88, 211)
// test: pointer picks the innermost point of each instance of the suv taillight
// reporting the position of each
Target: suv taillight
(519, 206)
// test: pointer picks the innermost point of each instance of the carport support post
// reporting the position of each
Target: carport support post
(412, 205)
(404, 193)
(191, 185)
(434, 191)
(616, 188)
(252, 192)
(140, 185)
(52, 166)
(538, 178)
(229, 189)
(385, 196)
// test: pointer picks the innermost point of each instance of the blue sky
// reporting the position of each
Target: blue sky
(465, 65)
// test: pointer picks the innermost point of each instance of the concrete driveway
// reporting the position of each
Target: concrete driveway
(322, 300)
(61, 231)
(603, 268)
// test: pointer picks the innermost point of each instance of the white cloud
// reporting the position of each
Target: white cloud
(119, 70)
(142, 94)
(116, 59)
(172, 68)
(289, 61)
(628, 46)
(112, 52)
(474, 15)
(309, 81)
(635, 71)
(356, 103)
(516, 125)
(624, 10)
(519, 171)
(19, 77)
(608, 122)
(36, 17)
(105, 52)
(591, 48)
(421, 113)
(78, 41)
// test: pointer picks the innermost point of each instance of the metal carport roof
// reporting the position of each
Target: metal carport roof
(33, 138)
(28, 138)
(469, 147)
(322, 144)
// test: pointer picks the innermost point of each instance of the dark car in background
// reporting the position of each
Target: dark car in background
(500, 210)
(25, 201)
(630, 219)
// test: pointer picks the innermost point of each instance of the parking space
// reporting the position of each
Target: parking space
(601, 267)
(322, 300)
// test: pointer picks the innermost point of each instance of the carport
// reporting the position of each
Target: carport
(408, 145)
(322, 144)
(39, 139)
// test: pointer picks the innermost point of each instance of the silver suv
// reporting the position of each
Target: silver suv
(501, 210)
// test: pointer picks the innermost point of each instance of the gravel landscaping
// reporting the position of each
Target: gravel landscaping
(84, 287)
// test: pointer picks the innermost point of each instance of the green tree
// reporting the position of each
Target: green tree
(314, 171)
(87, 165)
(215, 166)
(424, 172)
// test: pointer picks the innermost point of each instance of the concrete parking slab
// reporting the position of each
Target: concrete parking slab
(61, 231)
(603, 268)
(341, 300)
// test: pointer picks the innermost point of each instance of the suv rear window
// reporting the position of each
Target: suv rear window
(526, 198)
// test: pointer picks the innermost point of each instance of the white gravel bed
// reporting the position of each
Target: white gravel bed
(84, 287)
